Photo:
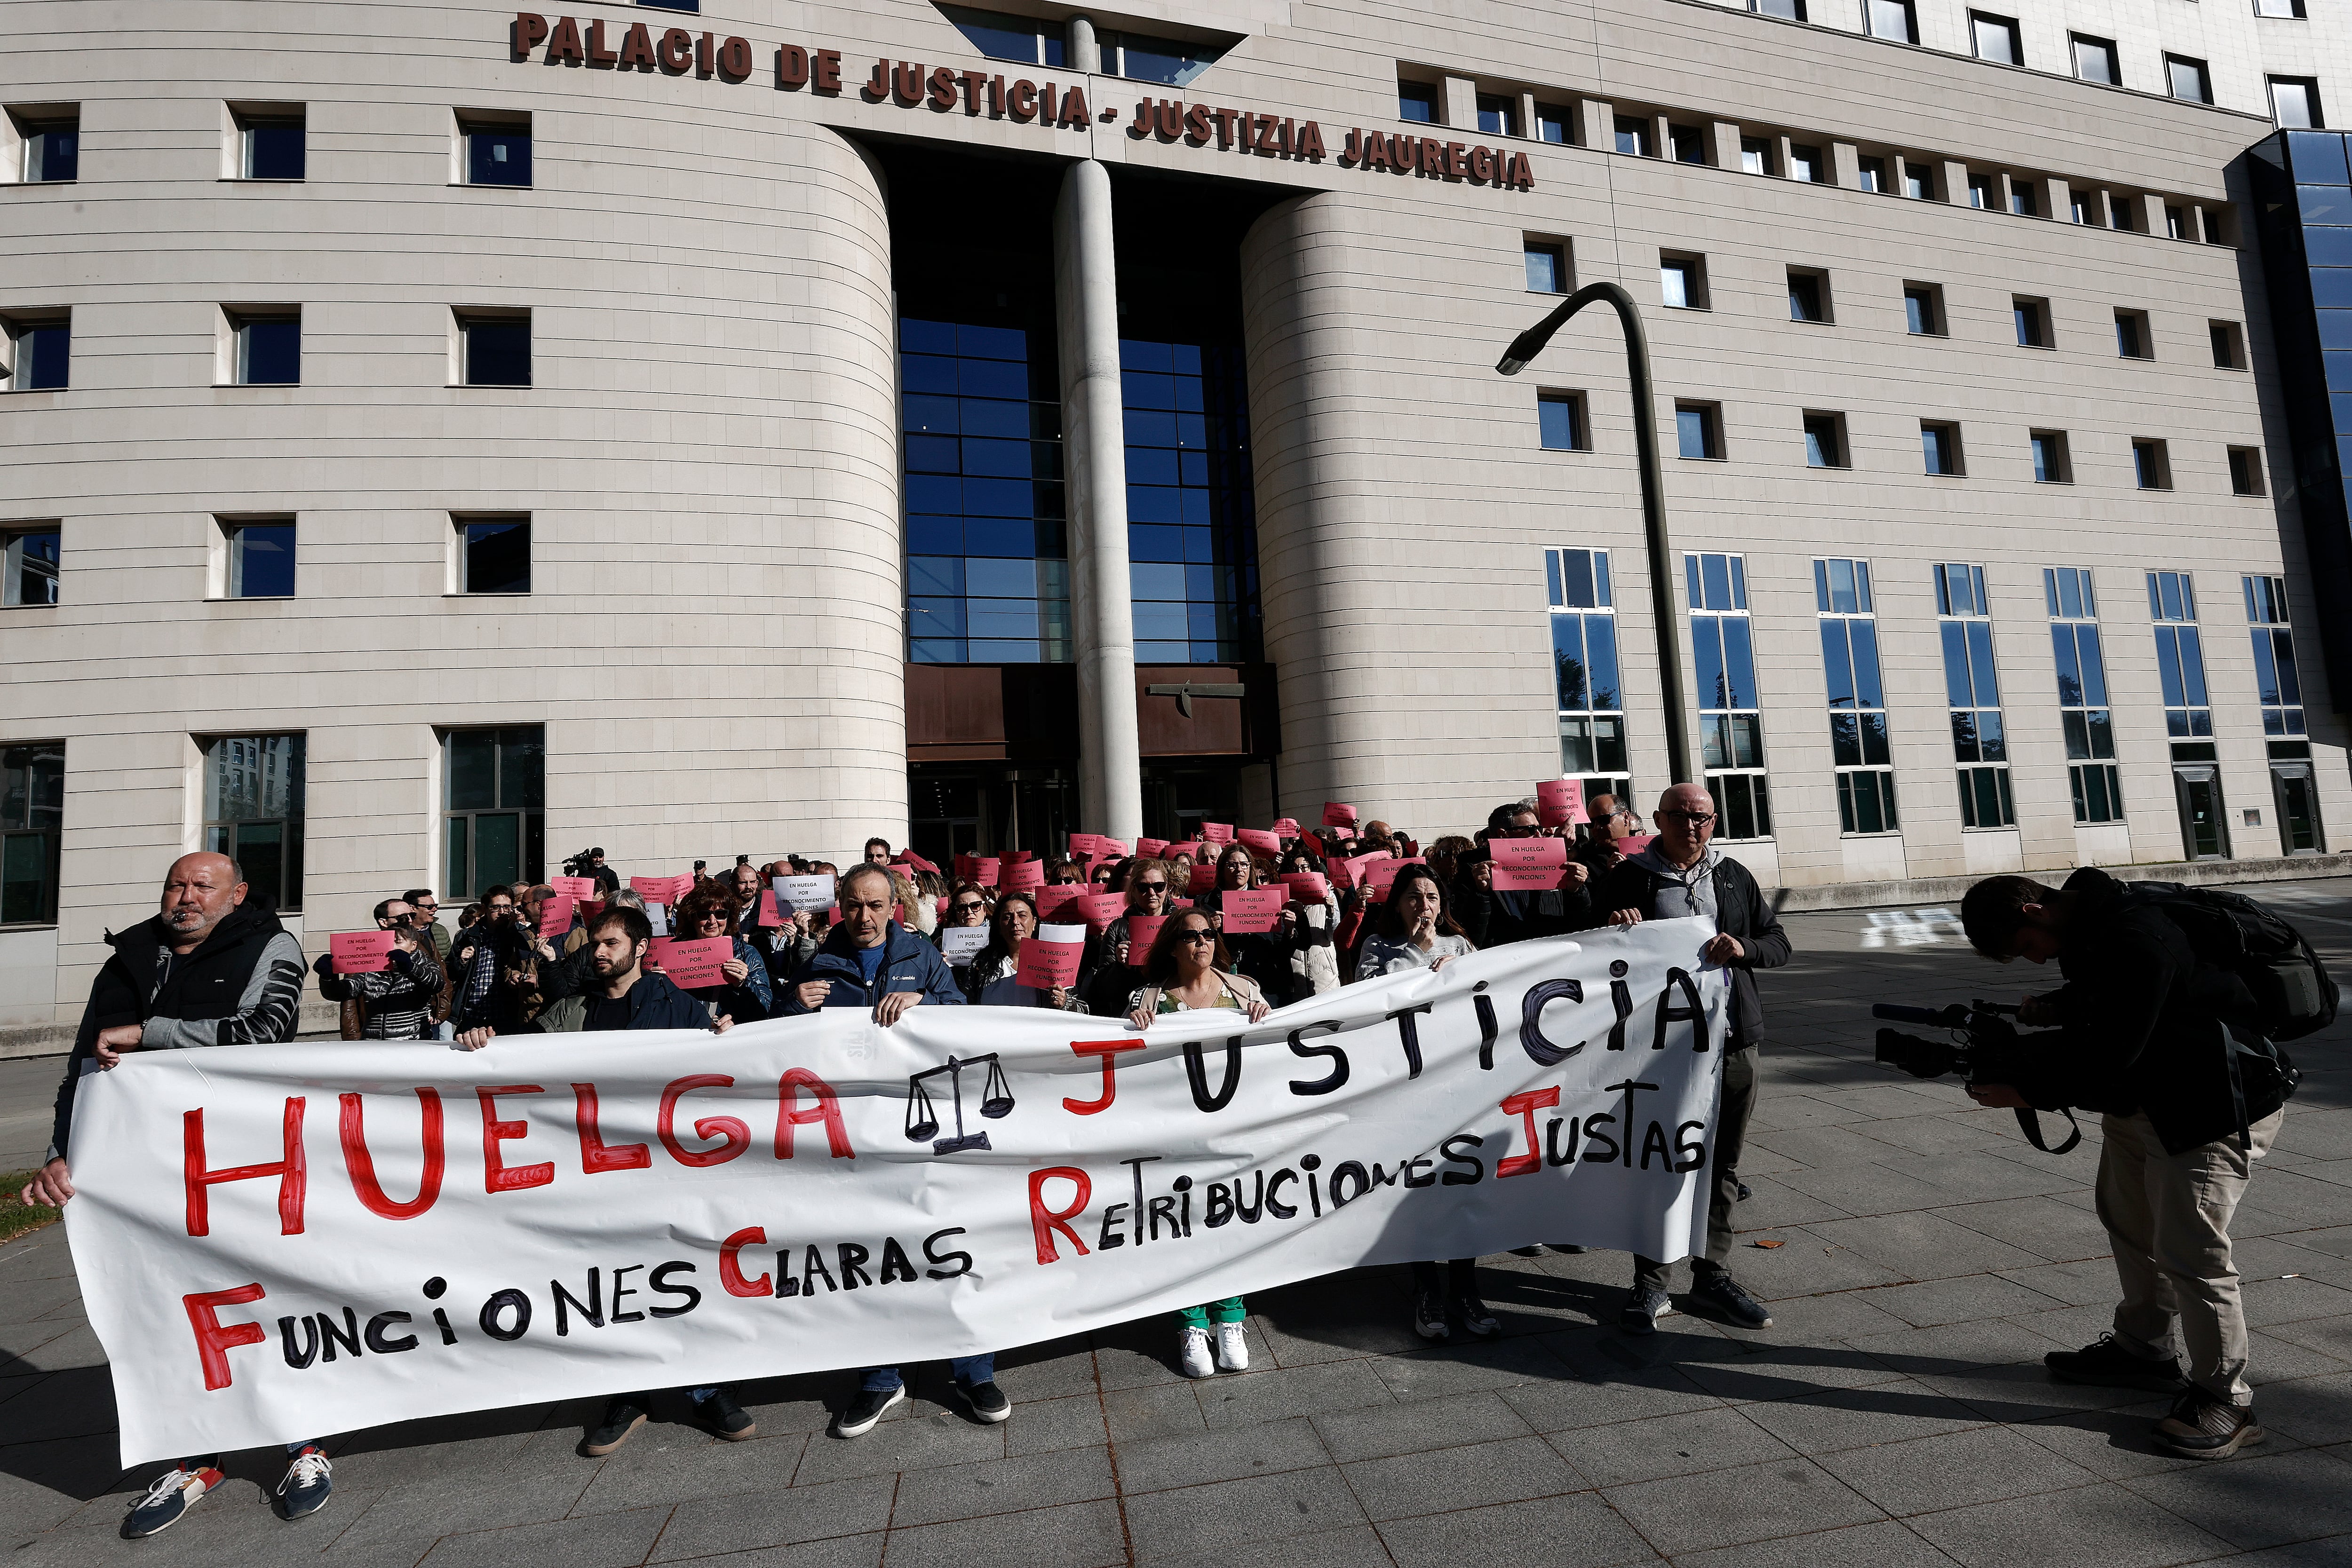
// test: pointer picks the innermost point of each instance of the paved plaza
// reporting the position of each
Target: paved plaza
(1897, 1413)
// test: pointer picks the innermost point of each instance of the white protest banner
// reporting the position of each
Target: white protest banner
(283, 1241)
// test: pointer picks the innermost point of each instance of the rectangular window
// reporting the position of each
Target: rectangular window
(1584, 664)
(2179, 656)
(2188, 78)
(494, 794)
(1787, 10)
(1548, 270)
(32, 830)
(1417, 101)
(1858, 738)
(1633, 136)
(1023, 40)
(1805, 164)
(2295, 102)
(270, 140)
(1809, 296)
(1497, 115)
(1939, 445)
(32, 553)
(1682, 282)
(2022, 199)
(2132, 339)
(1923, 309)
(2083, 206)
(1555, 122)
(1170, 62)
(1872, 172)
(493, 554)
(253, 812)
(2228, 345)
(2083, 710)
(40, 351)
(1732, 723)
(52, 141)
(2245, 470)
(1972, 688)
(494, 351)
(2279, 8)
(1755, 155)
(2094, 59)
(2151, 465)
(2033, 320)
(687, 5)
(495, 149)
(1686, 143)
(1996, 39)
(1918, 181)
(1183, 467)
(268, 348)
(2051, 465)
(1891, 19)
(260, 559)
(2122, 212)
(1826, 441)
(2177, 224)
(1560, 417)
(1984, 193)
(2277, 683)
(1698, 430)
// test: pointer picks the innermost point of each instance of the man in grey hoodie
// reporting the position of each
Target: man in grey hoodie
(1681, 875)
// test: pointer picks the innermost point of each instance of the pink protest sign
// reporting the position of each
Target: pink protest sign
(1634, 843)
(692, 963)
(1251, 910)
(1101, 908)
(1151, 849)
(1259, 839)
(1020, 876)
(917, 862)
(1010, 855)
(769, 914)
(1193, 847)
(574, 886)
(1307, 886)
(1342, 872)
(984, 870)
(1217, 832)
(1526, 878)
(1114, 848)
(652, 889)
(1046, 965)
(555, 915)
(1286, 829)
(1142, 931)
(1050, 900)
(1086, 843)
(1382, 872)
(360, 952)
(1559, 801)
(1204, 877)
(1529, 851)
(1338, 814)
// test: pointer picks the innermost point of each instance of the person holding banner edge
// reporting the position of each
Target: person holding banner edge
(1680, 875)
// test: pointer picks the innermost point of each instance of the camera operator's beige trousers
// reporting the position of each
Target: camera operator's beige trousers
(2169, 1217)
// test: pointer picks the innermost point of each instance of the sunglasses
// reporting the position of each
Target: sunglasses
(1152, 887)
(1198, 936)
(970, 904)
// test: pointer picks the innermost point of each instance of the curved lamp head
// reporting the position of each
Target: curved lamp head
(1526, 346)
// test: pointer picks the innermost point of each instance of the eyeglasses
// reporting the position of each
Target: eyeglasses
(1695, 818)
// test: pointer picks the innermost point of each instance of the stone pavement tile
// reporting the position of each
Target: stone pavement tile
(460, 1502)
(1806, 1266)
(2099, 1526)
(1274, 1395)
(1420, 1426)
(45, 1406)
(1966, 1299)
(42, 1255)
(1137, 1354)
(1886, 1544)
(1839, 1418)
(1958, 1349)
(485, 1445)
(1776, 1203)
(2085, 1283)
(1941, 1133)
(227, 1531)
(1047, 1370)
(1629, 1395)
(1357, 1546)
(1575, 1532)
(1992, 1174)
(1759, 1159)
(21, 1341)
(1690, 1444)
(2266, 1257)
(1227, 1514)
(1465, 1368)
(1000, 1486)
(836, 1552)
(1811, 1319)
(2315, 1410)
(33, 1298)
(1874, 1102)
(1785, 1111)
(2275, 1360)
(2298, 1197)
(2022, 1391)
(2046, 1225)
(2335, 1552)
(2324, 1132)
(1544, 1295)
(2333, 1239)
(1753, 1503)
(642, 1473)
(1157, 1464)
(608, 1541)
(1075, 1535)
(914, 1442)
(782, 1517)
(1074, 1421)
(2114, 1444)
(2273, 1302)
(1820, 1149)
(1477, 1476)
(1134, 1414)
(2255, 1500)
(1982, 1464)
(1921, 1246)
(2329, 1336)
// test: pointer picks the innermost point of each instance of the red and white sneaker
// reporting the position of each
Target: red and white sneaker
(174, 1492)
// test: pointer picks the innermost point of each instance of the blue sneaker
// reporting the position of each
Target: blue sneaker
(174, 1492)
(307, 1480)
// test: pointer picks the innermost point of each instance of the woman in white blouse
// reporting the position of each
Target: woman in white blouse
(1416, 930)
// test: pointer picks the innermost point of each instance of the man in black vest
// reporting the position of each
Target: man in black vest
(208, 969)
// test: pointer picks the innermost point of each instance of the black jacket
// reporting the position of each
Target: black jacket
(2141, 1020)
(655, 1002)
(1741, 910)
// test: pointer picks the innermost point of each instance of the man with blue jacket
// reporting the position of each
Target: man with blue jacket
(872, 961)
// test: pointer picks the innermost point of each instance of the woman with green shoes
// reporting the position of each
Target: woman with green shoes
(1189, 969)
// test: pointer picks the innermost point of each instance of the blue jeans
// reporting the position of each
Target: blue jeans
(965, 1369)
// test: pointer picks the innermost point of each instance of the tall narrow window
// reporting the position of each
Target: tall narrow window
(2276, 680)
(1918, 181)
(1682, 282)
(2179, 656)
(2295, 102)
(2134, 339)
(52, 147)
(2188, 78)
(30, 555)
(1984, 193)
(32, 825)
(253, 811)
(1731, 725)
(1996, 39)
(1555, 122)
(1497, 115)
(1755, 155)
(2051, 464)
(1584, 662)
(2228, 345)
(1826, 441)
(1417, 101)
(494, 792)
(1698, 430)
(1547, 267)
(1872, 172)
(1809, 296)
(2094, 59)
(2245, 470)
(2083, 709)
(1891, 19)
(1633, 137)
(1939, 448)
(1923, 310)
(1192, 533)
(2152, 464)
(1972, 686)
(2022, 199)
(1560, 416)
(1858, 747)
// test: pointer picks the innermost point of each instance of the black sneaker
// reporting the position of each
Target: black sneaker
(1643, 1310)
(1727, 1298)
(1429, 1315)
(304, 1488)
(2108, 1365)
(724, 1417)
(1476, 1317)
(866, 1411)
(2203, 1427)
(1744, 1193)
(168, 1499)
(987, 1400)
(623, 1416)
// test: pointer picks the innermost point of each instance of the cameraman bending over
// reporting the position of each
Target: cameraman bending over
(2140, 1039)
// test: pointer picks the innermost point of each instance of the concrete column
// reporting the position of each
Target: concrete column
(1528, 126)
(2056, 199)
(1094, 447)
(1780, 155)
(1952, 182)
(1596, 124)
(1723, 144)
(1662, 138)
(2150, 212)
(1084, 54)
(1845, 166)
(1459, 103)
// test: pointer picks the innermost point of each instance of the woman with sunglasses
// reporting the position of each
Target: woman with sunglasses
(743, 994)
(1189, 971)
(968, 905)
(1150, 890)
(989, 982)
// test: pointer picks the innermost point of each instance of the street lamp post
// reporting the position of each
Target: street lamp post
(1526, 346)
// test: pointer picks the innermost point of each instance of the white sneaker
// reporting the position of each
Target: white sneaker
(1192, 1354)
(1232, 1348)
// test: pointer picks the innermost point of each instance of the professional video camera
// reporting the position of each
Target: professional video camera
(1983, 1048)
(577, 865)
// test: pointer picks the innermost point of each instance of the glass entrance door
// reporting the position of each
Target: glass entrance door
(2203, 834)
(2298, 808)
